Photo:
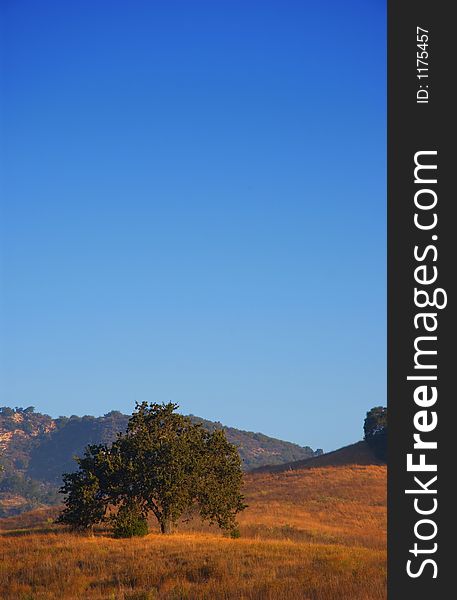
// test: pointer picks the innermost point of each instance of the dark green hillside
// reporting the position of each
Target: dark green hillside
(257, 449)
(54, 455)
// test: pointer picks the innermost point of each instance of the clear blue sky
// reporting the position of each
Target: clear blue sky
(194, 210)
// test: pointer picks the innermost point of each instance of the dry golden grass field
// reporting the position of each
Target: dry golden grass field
(308, 534)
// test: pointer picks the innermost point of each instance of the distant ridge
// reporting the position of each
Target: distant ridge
(354, 454)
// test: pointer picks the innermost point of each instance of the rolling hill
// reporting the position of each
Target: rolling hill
(354, 454)
(312, 531)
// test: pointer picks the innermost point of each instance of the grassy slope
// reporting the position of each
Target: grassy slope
(354, 454)
(310, 533)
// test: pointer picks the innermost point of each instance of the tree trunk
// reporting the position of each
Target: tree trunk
(166, 526)
(90, 531)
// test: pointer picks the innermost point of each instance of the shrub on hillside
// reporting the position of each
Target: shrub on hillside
(129, 522)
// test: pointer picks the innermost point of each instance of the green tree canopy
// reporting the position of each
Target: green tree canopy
(375, 430)
(86, 500)
(164, 465)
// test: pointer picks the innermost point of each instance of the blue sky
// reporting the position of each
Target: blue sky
(194, 210)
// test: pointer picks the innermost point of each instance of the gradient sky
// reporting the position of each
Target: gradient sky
(194, 209)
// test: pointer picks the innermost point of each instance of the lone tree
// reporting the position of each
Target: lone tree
(163, 464)
(375, 430)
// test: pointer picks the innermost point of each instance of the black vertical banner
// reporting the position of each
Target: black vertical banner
(422, 261)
